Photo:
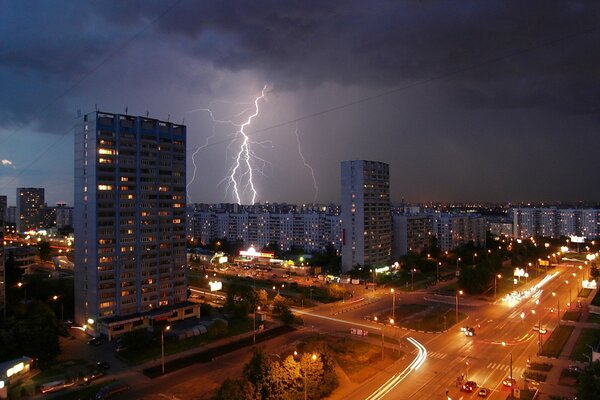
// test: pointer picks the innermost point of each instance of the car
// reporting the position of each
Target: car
(483, 392)
(509, 382)
(575, 369)
(102, 365)
(469, 386)
(94, 341)
(541, 330)
(92, 376)
(470, 331)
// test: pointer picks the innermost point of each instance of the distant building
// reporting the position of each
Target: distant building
(64, 216)
(2, 275)
(3, 207)
(309, 229)
(555, 222)
(11, 215)
(129, 220)
(366, 216)
(30, 208)
(456, 229)
(411, 233)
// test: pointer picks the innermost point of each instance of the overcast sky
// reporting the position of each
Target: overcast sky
(467, 100)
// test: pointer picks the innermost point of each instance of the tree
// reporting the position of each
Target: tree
(44, 251)
(34, 333)
(594, 272)
(235, 389)
(589, 382)
(13, 272)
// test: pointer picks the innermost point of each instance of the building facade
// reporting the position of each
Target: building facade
(366, 217)
(30, 208)
(311, 230)
(456, 229)
(555, 222)
(129, 220)
(410, 233)
(3, 209)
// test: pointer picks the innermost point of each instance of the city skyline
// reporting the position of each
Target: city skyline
(465, 103)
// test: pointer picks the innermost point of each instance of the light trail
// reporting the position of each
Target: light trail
(400, 376)
(307, 165)
(514, 298)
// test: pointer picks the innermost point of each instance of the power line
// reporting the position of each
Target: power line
(109, 56)
(409, 86)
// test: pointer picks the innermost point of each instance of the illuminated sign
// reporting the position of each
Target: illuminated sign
(222, 260)
(577, 239)
(16, 369)
(519, 272)
(544, 262)
(214, 286)
(251, 252)
(589, 284)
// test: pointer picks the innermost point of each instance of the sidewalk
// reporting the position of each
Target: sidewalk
(552, 387)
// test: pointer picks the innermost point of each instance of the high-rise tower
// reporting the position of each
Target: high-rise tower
(366, 218)
(129, 220)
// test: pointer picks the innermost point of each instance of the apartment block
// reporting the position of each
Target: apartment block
(129, 220)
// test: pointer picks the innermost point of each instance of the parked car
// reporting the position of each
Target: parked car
(119, 348)
(102, 365)
(483, 392)
(94, 341)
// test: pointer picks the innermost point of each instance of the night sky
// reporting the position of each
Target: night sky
(467, 100)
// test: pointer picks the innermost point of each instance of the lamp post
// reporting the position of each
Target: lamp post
(162, 346)
(557, 307)
(393, 303)
(566, 283)
(412, 283)
(495, 283)
(512, 386)
(254, 326)
(55, 298)
(457, 261)
(22, 285)
(474, 256)
(382, 337)
(457, 293)
(539, 333)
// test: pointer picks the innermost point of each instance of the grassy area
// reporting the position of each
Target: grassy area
(584, 293)
(555, 343)
(545, 367)
(359, 360)
(587, 337)
(572, 315)
(594, 318)
(536, 376)
(173, 346)
(423, 317)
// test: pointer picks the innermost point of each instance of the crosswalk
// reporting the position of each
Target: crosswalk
(517, 371)
(433, 354)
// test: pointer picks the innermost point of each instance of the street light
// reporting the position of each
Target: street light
(437, 275)
(382, 335)
(313, 358)
(162, 346)
(512, 386)
(412, 284)
(22, 285)
(566, 283)
(495, 283)
(474, 255)
(55, 298)
(393, 303)
(457, 293)
(467, 364)
(254, 326)
(557, 307)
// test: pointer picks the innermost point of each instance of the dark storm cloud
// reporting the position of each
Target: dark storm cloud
(497, 54)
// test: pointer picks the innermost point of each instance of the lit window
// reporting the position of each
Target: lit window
(106, 151)
(105, 187)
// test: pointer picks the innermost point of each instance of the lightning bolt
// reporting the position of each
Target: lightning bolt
(241, 175)
(307, 165)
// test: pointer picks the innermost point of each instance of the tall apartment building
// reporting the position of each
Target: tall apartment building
(3, 209)
(555, 222)
(410, 233)
(30, 208)
(64, 215)
(2, 275)
(366, 217)
(129, 220)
